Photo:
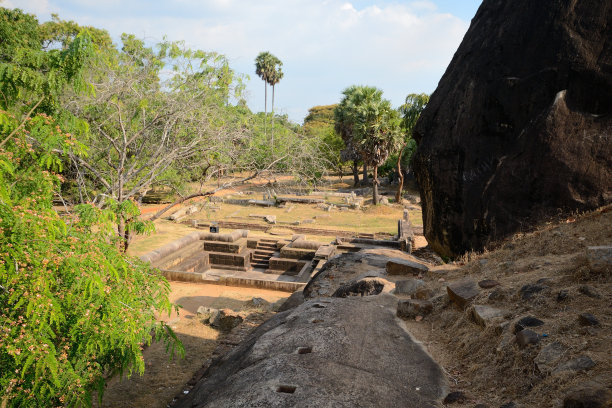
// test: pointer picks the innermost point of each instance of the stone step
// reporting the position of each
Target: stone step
(260, 265)
(179, 256)
(193, 263)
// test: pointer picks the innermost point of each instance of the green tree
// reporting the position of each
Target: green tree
(344, 126)
(373, 126)
(264, 68)
(319, 123)
(145, 130)
(73, 310)
(275, 76)
(32, 78)
(410, 111)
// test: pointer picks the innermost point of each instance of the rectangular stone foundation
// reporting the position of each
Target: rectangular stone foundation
(170, 261)
(297, 253)
(228, 247)
(284, 266)
(223, 260)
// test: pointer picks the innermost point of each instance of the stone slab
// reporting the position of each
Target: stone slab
(600, 258)
(486, 315)
(461, 293)
(405, 267)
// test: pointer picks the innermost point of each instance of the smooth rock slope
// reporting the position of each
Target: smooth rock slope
(332, 352)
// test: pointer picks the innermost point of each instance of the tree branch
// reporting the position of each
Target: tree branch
(22, 122)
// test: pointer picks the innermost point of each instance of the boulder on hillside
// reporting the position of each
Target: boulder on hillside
(519, 126)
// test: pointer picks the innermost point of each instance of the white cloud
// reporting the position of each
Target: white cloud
(325, 45)
(31, 6)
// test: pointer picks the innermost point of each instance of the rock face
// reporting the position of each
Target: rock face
(520, 125)
(334, 352)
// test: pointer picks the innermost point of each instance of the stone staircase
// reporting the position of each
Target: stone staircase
(265, 249)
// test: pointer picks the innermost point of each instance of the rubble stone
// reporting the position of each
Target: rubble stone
(600, 258)
(405, 267)
(411, 308)
(462, 292)
(408, 287)
(485, 315)
(527, 337)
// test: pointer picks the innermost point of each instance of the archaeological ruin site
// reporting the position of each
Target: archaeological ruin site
(165, 244)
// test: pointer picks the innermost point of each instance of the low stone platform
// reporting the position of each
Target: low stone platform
(252, 279)
(228, 259)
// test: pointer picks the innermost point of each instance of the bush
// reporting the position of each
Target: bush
(74, 310)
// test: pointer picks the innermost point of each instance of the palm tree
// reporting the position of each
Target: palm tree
(372, 125)
(275, 77)
(343, 125)
(263, 68)
(410, 111)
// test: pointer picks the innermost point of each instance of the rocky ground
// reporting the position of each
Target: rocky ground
(544, 284)
(526, 325)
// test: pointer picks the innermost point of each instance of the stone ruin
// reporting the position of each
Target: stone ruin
(235, 258)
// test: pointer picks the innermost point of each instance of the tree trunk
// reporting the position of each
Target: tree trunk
(265, 107)
(121, 232)
(127, 238)
(400, 175)
(356, 173)
(375, 185)
(364, 182)
(272, 144)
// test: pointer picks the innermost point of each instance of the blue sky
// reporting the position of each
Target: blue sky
(400, 47)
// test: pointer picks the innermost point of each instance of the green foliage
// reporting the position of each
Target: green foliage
(319, 124)
(73, 309)
(411, 111)
(268, 68)
(368, 123)
(30, 73)
(58, 33)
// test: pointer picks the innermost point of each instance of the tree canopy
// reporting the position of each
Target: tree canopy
(369, 126)
(93, 125)
(411, 111)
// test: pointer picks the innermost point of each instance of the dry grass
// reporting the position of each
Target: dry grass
(485, 363)
(371, 220)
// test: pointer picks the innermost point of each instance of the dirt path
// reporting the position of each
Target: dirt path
(164, 378)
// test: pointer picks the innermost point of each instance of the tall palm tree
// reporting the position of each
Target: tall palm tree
(264, 68)
(371, 123)
(275, 77)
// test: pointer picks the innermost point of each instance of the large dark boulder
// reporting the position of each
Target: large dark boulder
(520, 125)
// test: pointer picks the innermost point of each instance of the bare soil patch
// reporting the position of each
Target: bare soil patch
(165, 378)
